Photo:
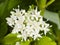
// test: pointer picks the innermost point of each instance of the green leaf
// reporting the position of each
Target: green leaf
(46, 41)
(10, 39)
(58, 36)
(7, 6)
(3, 8)
(13, 3)
(25, 42)
(55, 6)
(3, 28)
(53, 17)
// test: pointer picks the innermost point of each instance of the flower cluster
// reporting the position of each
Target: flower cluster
(27, 23)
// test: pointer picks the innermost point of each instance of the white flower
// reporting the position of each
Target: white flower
(29, 23)
(10, 21)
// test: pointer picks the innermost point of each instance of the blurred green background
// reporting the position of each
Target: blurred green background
(52, 13)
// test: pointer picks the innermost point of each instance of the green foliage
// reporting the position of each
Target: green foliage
(3, 8)
(7, 6)
(53, 17)
(10, 39)
(13, 3)
(55, 7)
(44, 41)
(25, 43)
(3, 29)
(44, 5)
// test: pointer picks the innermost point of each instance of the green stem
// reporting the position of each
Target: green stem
(42, 12)
(42, 4)
(50, 2)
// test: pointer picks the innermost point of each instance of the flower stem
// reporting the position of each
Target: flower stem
(43, 4)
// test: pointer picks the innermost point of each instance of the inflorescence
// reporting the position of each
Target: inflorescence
(27, 24)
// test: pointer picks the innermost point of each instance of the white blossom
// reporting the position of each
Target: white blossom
(29, 23)
(10, 21)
